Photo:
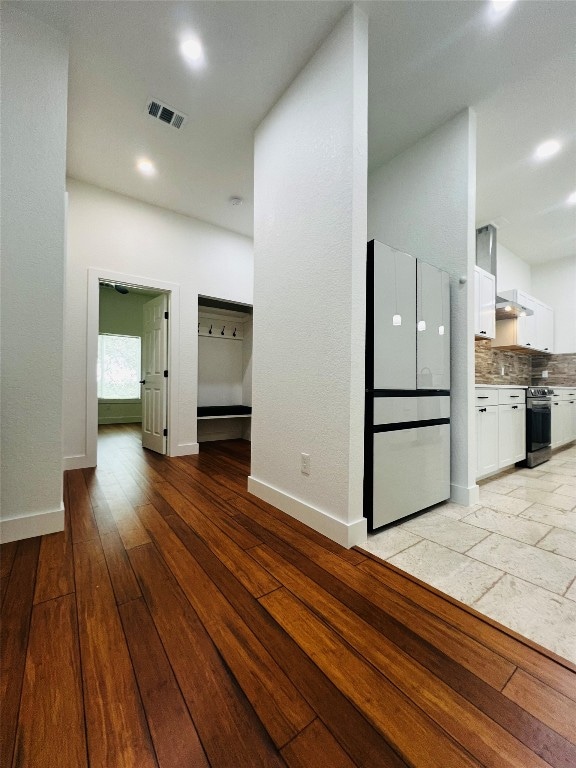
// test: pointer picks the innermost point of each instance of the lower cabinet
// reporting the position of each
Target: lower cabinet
(486, 440)
(557, 426)
(500, 429)
(563, 419)
(511, 434)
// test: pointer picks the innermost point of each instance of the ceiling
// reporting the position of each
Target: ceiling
(428, 60)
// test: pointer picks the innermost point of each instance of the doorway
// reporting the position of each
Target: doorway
(224, 370)
(131, 358)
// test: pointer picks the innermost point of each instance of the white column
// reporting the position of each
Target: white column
(309, 293)
(34, 102)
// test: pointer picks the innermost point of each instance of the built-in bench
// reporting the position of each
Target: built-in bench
(224, 411)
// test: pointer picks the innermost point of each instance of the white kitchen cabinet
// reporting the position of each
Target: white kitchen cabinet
(571, 417)
(556, 428)
(484, 304)
(563, 417)
(544, 327)
(532, 332)
(570, 397)
(500, 428)
(511, 434)
(486, 440)
(526, 333)
(432, 327)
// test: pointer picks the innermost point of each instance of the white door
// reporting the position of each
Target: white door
(527, 324)
(486, 440)
(154, 374)
(433, 328)
(397, 456)
(511, 434)
(557, 429)
(488, 305)
(394, 315)
(544, 327)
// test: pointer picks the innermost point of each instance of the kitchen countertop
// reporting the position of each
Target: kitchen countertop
(501, 386)
(555, 387)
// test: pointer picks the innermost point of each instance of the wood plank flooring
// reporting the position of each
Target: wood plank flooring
(180, 621)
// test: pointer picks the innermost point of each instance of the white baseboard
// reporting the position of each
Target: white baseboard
(119, 419)
(77, 462)
(346, 534)
(465, 496)
(27, 526)
(185, 449)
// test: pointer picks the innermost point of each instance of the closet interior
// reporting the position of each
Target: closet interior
(224, 369)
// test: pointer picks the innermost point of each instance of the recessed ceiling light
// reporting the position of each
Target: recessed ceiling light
(192, 50)
(501, 6)
(146, 167)
(572, 199)
(235, 200)
(547, 149)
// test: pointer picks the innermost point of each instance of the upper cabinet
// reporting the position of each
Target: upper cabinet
(534, 332)
(484, 304)
(544, 327)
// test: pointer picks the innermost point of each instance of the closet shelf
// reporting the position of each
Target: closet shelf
(224, 411)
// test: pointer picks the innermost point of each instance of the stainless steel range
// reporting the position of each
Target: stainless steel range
(538, 425)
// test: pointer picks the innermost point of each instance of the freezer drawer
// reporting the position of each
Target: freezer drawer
(402, 409)
(411, 471)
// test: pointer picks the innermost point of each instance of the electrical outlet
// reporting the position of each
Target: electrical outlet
(305, 463)
(544, 374)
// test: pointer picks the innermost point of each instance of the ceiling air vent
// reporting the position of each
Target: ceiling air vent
(166, 114)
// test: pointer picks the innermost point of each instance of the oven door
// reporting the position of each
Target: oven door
(538, 425)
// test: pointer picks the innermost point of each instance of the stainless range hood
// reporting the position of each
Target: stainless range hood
(506, 309)
(486, 259)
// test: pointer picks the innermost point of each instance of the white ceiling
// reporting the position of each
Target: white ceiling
(428, 60)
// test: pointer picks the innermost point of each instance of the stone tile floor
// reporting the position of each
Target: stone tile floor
(512, 557)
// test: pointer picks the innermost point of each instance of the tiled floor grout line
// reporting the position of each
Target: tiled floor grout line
(537, 543)
(569, 587)
(504, 573)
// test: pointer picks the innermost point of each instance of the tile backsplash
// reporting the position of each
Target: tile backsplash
(496, 366)
(561, 370)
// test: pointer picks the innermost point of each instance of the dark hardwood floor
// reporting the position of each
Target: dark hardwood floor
(181, 622)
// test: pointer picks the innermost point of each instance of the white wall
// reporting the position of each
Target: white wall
(309, 293)
(115, 233)
(512, 271)
(423, 202)
(554, 283)
(34, 94)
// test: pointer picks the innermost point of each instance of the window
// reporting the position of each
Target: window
(118, 374)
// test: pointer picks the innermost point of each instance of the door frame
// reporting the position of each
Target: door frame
(95, 276)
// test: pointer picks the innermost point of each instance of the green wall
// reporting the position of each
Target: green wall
(121, 314)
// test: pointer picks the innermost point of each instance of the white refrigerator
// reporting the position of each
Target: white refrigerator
(407, 416)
